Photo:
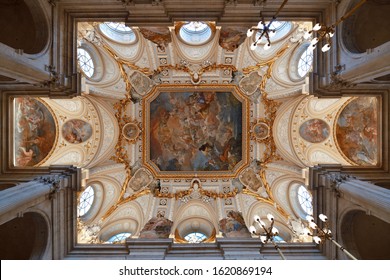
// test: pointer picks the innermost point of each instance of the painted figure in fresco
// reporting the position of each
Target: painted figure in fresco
(250, 179)
(357, 131)
(76, 131)
(261, 131)
(130, 131)
(202, 160)
(314, 130)
(158, 227)
(233, 225)
(140, 179)
(34, 136)
(232, 37)
(159, 35)
(182, 123)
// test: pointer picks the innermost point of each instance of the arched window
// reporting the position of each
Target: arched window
(118, 31)
(305, 62)
(195, 237)
(86, 200)
(85, 62)
(305, 200)
(195, 32)
(119, 238)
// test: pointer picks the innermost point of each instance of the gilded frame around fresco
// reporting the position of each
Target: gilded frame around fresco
(191, 174)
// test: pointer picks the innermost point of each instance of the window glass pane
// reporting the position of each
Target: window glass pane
(195, 32)
(86, 200)
(85, 62)
(119, 238)
(118, 26)
(305, 62)
(195, 237)
(118, 32)
(305, 200)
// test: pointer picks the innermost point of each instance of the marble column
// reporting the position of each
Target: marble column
(25, 194)
(369, 196)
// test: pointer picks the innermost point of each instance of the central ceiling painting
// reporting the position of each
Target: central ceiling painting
(195, 130)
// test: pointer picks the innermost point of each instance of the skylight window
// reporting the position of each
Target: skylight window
(305, 62)
(305, 200)
(195, 237)
(119, 238)
(86, 200)
(85, 62)
(195, 32)
(118, 31)
(118, 26)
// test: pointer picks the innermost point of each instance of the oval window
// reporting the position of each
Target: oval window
(195, 32)
(118, 31)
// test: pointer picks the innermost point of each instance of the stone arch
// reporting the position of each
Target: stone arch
(28, 23)
(285, 190)
(126, 218)
(281, 131)
(195, 217)
(365, 236)
(367, 27)
(119, 226)
(196, 53)
(25, 237)
(109, 190)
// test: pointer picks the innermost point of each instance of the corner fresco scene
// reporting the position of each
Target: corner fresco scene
(195, 131)
(357, 131)
(34, 132)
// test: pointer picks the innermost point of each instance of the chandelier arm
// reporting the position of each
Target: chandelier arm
(341, 248)
(278, 249)
(263, 32)
(272, 224)
(265, 229)
(281, 7)
(348, 14)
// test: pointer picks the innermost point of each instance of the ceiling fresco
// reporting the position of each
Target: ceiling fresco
(194, 135)
(198, 130)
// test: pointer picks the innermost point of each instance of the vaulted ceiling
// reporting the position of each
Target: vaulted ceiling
(184, 120)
